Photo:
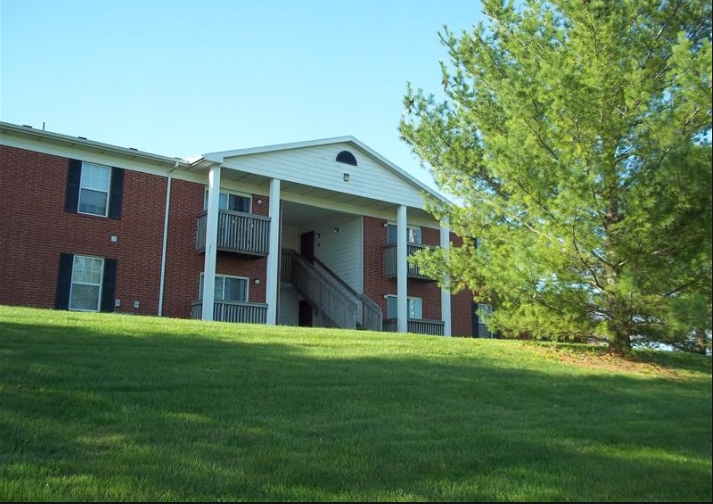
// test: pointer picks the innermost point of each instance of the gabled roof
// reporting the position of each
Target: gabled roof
(7, 130)
(221, 156)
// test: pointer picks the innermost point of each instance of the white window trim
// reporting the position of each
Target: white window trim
(101, 284)
(201, 280)
(408, 226)
(108, 191)
(228, 193)
(408, 298)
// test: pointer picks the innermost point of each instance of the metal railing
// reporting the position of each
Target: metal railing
(238, 232)
(390, 262)
(233, 311)
(418, 326)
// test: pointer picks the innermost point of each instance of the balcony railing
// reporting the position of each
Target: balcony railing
(238, 232)
(418, 326)
(390, 265)
(233, 311)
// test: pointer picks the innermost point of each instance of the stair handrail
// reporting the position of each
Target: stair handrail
(369, 313)
(320, 290)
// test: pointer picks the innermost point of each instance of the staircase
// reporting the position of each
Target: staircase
(337, 301)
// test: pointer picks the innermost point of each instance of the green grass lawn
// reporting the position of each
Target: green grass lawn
(116, 407)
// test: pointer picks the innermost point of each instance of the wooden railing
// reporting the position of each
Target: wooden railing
(238, 232)
(372, 316)
(417, 326)
(368, 314)
(233, 311)
(320, 290)
(391, 266)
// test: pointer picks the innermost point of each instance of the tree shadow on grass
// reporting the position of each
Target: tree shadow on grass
(89, 415)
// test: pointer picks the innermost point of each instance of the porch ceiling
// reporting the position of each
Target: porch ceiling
(334, 200)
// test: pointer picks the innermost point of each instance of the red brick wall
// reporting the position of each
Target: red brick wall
(461, 305)
(184, 265)
(36, 229)
(376, 286)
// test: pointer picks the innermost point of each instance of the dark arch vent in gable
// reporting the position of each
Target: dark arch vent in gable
(346, 157)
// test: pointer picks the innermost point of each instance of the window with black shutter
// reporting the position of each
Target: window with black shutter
(94, 189)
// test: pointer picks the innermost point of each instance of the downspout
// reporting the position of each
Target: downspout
(165, 241)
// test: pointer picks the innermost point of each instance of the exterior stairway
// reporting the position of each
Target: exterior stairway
(345, 307)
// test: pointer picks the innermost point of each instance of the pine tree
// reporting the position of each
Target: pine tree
(576, 137)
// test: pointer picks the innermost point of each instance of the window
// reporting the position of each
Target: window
(347, 158)
(414, 307)
(94, 189)
(413, 234)
(227, 288)
(483, 313)
(85, 283)
(231, 201)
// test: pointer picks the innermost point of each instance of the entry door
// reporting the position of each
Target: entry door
(305, 314)
(307, 246)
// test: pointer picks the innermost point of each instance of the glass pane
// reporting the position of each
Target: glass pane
(92, 202)
(244, 204)
(223, 201)
(414, 309)
(391, 308)
(414, 235)
(391, 234)
(84, 297)
(87, 270)
(218, 288)
(235, 289)
(95, 177)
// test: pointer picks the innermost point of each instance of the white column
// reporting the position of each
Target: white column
(273, 257)
(211, 242)
(445, 292)
(401, 270)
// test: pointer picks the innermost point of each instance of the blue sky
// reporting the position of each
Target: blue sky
(180, 78)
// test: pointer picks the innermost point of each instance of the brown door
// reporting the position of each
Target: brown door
(305, 315)
(307, 246)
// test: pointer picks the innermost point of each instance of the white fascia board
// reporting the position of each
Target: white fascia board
(35, 136)
(279, 147)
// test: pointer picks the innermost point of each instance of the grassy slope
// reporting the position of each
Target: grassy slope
(109, 407)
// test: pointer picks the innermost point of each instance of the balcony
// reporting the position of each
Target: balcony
(238, 232)
(233, 311)
(390, 266)
(418, 326)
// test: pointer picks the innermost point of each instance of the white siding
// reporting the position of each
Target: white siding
(289, 305)
(317, 166)
(290, 237)
(342, 251)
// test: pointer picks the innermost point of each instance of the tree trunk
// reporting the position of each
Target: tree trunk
(620, 344)
(699, 342)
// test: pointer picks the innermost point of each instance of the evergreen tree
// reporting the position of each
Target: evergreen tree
(576, 136)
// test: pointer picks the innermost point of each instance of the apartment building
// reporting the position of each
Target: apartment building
(313, 233)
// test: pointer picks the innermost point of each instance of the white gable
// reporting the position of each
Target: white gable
(314, 164)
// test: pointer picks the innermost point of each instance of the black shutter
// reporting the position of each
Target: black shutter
(107, 302)
(74, 177)
(64, 281)
(116, 192)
